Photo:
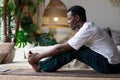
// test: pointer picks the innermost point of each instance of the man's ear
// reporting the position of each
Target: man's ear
(77, 17)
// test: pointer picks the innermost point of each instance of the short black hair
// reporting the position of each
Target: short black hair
(78, 10)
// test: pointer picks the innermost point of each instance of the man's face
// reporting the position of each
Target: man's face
(72, 21)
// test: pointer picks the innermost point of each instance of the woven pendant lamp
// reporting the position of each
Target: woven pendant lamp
(55, 14)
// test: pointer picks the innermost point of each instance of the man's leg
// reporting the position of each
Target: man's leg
(36, 67)
(55, 62)
(85, 55)
(93, 59)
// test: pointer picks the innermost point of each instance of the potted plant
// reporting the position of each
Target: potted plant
(13, 12)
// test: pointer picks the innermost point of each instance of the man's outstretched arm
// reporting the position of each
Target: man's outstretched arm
(33, 59)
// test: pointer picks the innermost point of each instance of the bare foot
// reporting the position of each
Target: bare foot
(36, 67)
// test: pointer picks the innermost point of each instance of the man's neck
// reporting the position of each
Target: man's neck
(80, 25)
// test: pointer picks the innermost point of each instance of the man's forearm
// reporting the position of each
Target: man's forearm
(57, 49)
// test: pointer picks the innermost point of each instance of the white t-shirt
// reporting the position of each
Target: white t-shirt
(96, 39)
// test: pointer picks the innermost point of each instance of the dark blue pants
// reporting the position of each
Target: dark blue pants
(85, 55)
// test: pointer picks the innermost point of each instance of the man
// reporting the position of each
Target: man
(90, 45)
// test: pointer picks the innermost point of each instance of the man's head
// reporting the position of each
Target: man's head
(76, 17)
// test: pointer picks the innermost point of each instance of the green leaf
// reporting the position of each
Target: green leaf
(46, 39)
(33, 27)
(26, 20)
(22, 39)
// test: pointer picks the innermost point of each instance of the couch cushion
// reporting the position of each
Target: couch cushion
(116, 36)
(108, 31)
(36, 49)
(118, 47)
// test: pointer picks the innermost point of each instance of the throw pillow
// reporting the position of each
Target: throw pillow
(118, 47)
(108, 31)
(116, 36)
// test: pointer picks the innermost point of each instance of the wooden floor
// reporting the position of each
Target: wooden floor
(60, 73)
(28, 75)
(24, 65)
(17, 77)
(25, 74)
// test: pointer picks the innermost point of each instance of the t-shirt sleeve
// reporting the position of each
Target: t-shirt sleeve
(79, 39)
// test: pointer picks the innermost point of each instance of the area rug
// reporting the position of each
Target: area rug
(73, 73)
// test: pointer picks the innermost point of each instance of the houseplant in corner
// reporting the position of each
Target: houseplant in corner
(6, 47)
(29, 33)
(13, 13)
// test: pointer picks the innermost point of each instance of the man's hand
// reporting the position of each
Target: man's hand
(33, 58)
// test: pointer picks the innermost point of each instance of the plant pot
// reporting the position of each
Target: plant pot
(9, 52)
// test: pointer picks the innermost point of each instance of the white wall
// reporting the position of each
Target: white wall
(102, 12)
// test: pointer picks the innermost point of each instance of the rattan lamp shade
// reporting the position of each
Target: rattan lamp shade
(55, 14)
